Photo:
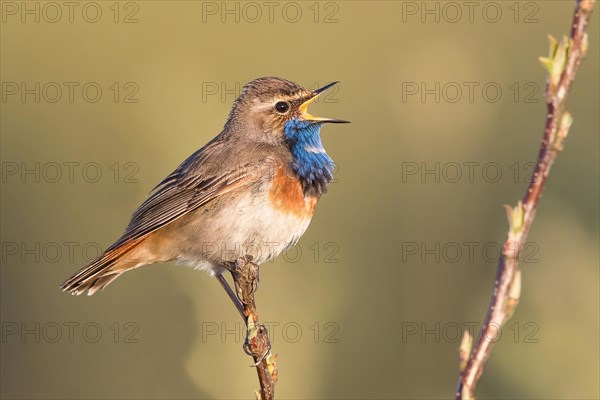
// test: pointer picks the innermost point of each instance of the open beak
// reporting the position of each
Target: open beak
(304, 108)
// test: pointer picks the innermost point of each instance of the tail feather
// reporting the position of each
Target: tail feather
(104, 269)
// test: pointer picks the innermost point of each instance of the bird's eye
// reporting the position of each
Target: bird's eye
(282, 107)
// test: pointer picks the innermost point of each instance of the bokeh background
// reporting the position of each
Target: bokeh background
(370, 303)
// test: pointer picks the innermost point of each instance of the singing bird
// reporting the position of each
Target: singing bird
(252, 190)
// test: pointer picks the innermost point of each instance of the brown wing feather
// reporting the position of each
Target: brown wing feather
(183, 191)
(186, 189)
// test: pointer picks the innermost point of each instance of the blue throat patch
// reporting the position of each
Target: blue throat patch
(312, 164)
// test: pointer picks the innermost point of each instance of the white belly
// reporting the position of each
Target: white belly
(251, 226)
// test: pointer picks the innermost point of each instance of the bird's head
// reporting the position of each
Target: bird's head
(273, 109)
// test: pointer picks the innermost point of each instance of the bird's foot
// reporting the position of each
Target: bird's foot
(257, 342)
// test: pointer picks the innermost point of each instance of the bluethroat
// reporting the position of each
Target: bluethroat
(251, 191)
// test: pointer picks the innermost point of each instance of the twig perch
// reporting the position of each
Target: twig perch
(246, 277)
(562, 65)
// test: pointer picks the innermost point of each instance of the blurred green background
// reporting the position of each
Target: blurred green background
(370, 304)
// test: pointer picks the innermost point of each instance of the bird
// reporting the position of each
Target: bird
(250, 191)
